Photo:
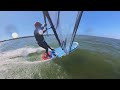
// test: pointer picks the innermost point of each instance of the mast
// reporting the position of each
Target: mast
(78, 19)
(52, 26)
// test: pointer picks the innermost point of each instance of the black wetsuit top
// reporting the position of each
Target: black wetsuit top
(39, 38)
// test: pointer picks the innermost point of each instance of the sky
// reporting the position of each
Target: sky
(96, 23)
(101, 23)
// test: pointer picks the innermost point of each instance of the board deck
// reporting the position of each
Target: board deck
(59, 52)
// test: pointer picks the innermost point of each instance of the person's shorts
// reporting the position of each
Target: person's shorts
(43, 44)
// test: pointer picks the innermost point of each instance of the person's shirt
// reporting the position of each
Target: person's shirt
(38, 33)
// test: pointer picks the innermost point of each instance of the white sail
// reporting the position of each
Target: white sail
(65, 25)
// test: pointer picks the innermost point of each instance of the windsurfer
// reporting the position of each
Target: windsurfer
(38, 33)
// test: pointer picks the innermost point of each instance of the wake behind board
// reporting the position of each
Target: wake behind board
(59, 52)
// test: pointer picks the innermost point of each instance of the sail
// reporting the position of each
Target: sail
(65, 25)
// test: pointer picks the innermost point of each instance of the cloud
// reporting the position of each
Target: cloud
(89, 31)
(9, 29)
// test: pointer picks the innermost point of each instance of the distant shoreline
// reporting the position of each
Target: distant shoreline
(53, 34)
(23, 37)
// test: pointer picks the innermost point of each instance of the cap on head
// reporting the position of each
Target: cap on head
(37, 24)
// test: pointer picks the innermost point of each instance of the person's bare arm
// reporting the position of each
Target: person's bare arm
(44, 26)
(44, 31)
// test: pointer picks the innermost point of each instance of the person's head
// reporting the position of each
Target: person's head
(37, 24)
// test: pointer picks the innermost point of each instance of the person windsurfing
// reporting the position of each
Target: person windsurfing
(38, 33)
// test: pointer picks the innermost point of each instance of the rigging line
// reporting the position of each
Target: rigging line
(78, 19)
(58, 19)
(52, 26)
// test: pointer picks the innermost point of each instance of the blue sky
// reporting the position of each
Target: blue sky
(101, 23)
(97, 23)
(22, 20)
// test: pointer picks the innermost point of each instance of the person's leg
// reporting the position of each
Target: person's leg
(45, 47)
(49, 46)
(53, 51)
(47, 52)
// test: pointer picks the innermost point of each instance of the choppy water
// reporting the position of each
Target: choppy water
(96, 57)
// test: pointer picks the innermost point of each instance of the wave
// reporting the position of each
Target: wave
(22, 52)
